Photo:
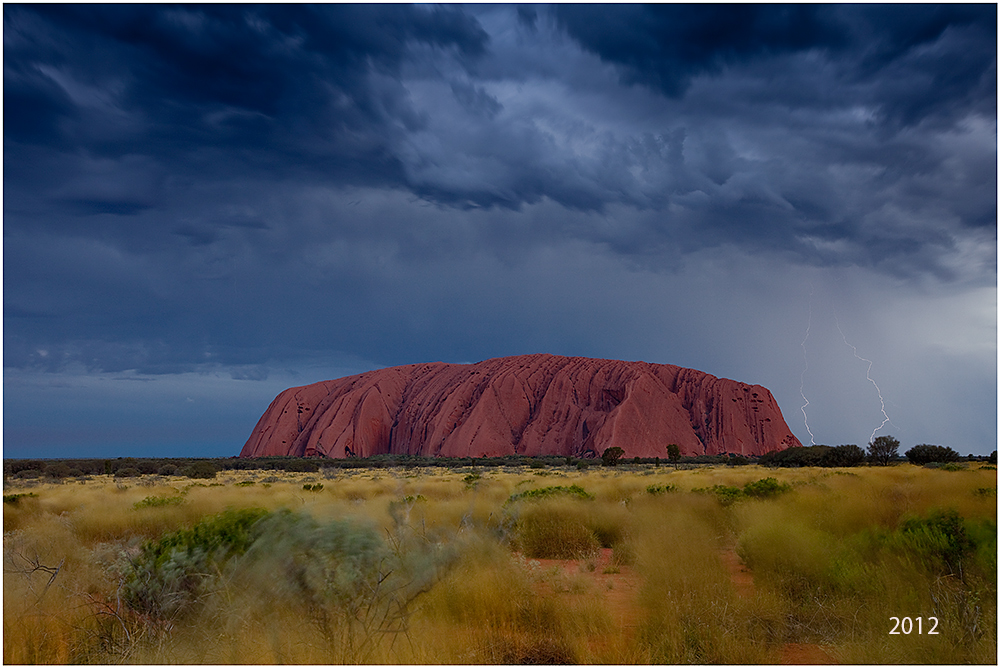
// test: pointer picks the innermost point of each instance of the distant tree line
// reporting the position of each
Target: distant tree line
(126, 467)
(883, 450)
(815, 455)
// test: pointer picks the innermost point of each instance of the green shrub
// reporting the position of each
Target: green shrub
(127, 472)
(172, 574)
(352, 585)
(355, 587)
(945, 466)
(315, 487)
(725, 494)
(940, 539)
(765, 488)
(158, 501)
(660, 489)
(548, 492)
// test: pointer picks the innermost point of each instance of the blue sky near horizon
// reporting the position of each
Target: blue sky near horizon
(207, 204)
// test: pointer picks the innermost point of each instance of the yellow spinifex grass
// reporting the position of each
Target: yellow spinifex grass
(832, 560)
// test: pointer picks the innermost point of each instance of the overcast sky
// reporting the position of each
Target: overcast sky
(205, 205)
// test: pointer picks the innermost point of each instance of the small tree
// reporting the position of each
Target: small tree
(883, 449)
(674, 453)
(612, 455)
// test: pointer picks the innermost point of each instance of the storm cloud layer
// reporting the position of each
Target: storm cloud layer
(216, 202)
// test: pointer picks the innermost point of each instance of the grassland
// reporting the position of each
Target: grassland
(633, 564)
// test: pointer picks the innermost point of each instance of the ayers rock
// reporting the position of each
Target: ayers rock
(525, 405)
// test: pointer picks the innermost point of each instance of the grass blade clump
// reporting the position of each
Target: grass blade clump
(553, 526)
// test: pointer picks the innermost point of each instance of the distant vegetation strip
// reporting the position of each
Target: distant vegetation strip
(126, 467)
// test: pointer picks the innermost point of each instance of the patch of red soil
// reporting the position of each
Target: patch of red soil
(740, 575)
(616, 585)
(794, 653)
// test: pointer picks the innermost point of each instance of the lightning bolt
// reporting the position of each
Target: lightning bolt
(868, 375)
(802, 378)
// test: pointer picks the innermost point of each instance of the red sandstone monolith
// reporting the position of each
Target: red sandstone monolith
(526, 405)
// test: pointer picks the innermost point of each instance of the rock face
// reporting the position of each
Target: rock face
(526, 405)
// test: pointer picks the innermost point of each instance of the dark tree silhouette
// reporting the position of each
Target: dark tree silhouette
(883, 449)
(612, 455)
(674, 453)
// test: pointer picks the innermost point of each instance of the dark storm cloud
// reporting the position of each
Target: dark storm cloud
(664, 46)
(244, 87)
(163, 100)
(927, 60)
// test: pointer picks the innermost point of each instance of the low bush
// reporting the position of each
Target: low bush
(549, 492)
(158, 501)
(172, 574)
(939, 539)
(656, 490)
(945, 466)
(765, 488)
(725, 494)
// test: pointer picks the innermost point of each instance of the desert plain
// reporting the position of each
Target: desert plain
(631, 564)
